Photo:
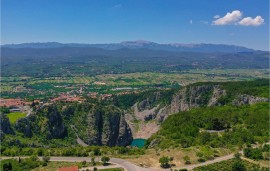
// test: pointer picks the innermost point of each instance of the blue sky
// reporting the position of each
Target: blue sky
(162, 21)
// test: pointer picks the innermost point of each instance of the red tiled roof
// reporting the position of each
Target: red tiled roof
(72, 168)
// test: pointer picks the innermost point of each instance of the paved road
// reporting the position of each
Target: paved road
(128, 166)
(118, 162)
(132, 167)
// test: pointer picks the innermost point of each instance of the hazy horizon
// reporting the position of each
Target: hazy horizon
(241, 23)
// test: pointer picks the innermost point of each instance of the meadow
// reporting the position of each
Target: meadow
(14, 116)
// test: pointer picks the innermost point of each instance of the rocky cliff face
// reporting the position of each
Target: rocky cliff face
(191, 97)
(24, 125)
(5, 125)
(248, 99)
(47, 122)
(106, 126)
(54, 126)
(146, 119)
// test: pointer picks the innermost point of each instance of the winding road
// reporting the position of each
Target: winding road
(128, 166)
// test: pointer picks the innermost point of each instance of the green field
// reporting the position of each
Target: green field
(13, 117)
(34, 87)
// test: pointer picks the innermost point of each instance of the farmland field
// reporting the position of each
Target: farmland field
(35, 87)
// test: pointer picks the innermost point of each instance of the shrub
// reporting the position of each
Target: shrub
(238, 166)
(164, 162)
(201, 160)
(105, 160)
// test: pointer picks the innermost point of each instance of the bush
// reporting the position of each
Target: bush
(238, 166)
(253, 153)
(164, 162)
(83, 163)
(187, 160)
(237, 155)
(46, 159)
(201, 160)
(105, 160)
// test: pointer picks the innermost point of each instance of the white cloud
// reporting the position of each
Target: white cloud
(216, 16)
(229, 18)
(248, 21)
(190, 22)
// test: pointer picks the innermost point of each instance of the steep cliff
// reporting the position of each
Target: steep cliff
(146, 119)
(103, 125)
(46, 122)
(5, 125)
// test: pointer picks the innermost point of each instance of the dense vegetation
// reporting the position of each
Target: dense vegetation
(72, 61)
(23, 164)
(258, 153)
(259, 88)
(70, 151)
(232, 165)
(239, 124)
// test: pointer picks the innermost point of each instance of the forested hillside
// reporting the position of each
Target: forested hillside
(220, 126)
(215, 114)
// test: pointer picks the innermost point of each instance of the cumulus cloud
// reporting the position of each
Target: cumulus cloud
(248, 21)
(216, 16)
(229, 18)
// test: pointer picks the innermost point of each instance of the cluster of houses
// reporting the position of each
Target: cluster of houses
(18, 104)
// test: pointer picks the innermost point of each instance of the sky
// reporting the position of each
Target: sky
(237, 22)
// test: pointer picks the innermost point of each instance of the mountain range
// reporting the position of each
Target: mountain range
(176, 47)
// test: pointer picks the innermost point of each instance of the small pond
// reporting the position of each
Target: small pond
(138, 143)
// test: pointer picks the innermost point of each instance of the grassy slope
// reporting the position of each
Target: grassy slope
(246, 124)
(13, 117)
(227, 166)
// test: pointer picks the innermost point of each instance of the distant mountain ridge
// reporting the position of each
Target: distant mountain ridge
(176, 47)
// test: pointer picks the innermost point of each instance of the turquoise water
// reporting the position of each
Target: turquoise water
(138, 143)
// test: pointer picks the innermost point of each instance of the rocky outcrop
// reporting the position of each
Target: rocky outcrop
(55, 125)
(125, 134)
(23, 125)
(191, 97)
(5, 125)
(149, 102)
(107, 127)
(217, 93)
(248, 99)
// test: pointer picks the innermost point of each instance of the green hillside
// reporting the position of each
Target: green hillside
(236, 125)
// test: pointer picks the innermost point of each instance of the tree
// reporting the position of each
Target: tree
(97, 152)
(164, 162)
(40, 152)
(237, 155)
(7, 166)
(83, 163)
(46, 159)
(105, 160)
(93, 161)
(238, 166)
